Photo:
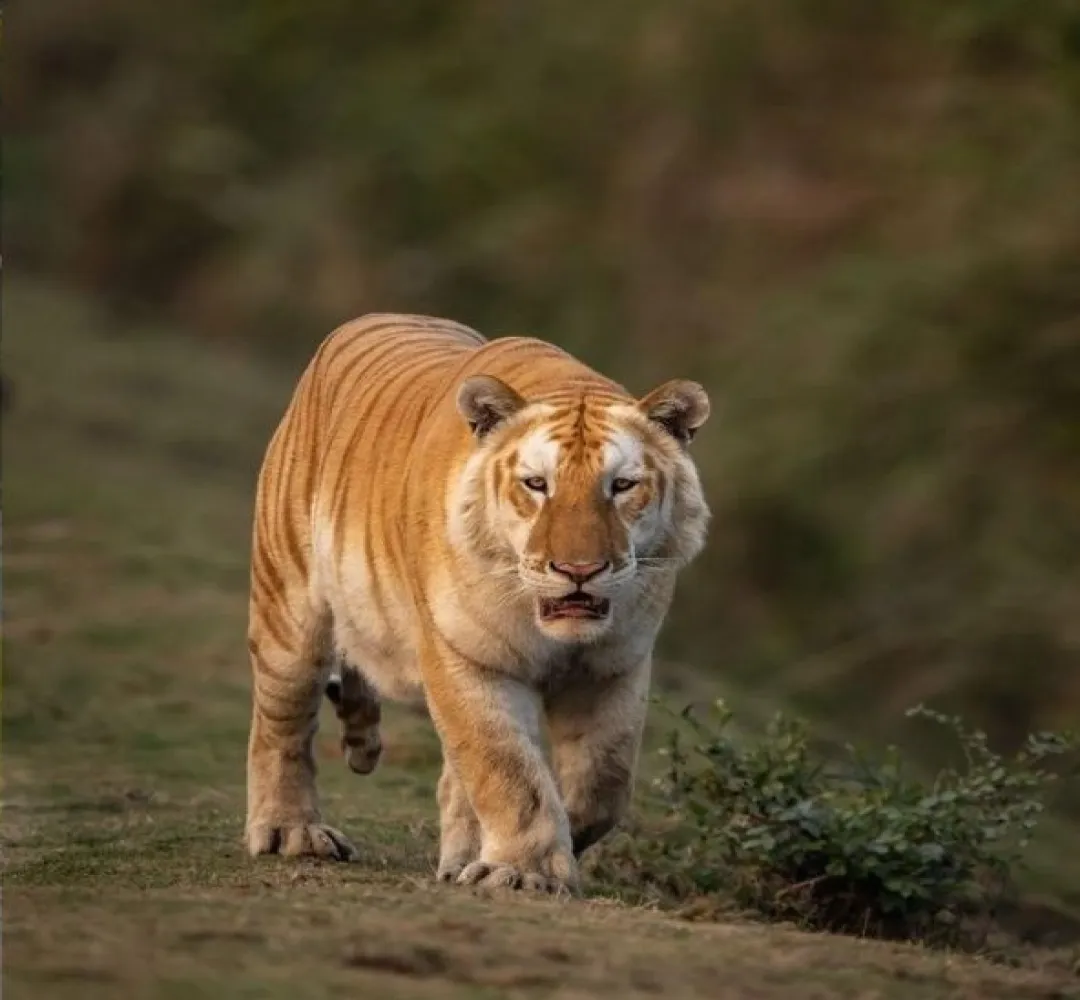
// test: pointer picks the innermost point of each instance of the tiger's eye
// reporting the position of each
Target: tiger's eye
(535, 483)
(621, 485)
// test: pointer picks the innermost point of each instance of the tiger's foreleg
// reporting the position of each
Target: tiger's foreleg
(596, 729)
(489, 726)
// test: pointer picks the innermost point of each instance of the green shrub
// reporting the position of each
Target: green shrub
(773, 828)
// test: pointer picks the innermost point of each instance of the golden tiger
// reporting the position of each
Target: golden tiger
(490, 526)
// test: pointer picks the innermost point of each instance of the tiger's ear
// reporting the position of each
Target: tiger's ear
(485, 402)
(679, 406)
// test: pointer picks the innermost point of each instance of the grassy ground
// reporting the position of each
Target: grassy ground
(129, 468)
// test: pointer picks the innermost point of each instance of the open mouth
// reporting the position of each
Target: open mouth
(576, 605)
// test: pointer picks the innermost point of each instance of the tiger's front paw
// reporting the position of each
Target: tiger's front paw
(555, 874)
(299, 839)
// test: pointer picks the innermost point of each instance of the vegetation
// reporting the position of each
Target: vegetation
(771, 828)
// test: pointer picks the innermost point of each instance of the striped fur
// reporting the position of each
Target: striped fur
(419, 509)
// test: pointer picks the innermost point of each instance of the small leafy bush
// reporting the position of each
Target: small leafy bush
(771, 827)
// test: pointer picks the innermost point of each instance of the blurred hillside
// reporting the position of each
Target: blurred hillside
(858, 224)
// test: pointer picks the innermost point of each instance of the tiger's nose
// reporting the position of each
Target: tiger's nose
(579, 572)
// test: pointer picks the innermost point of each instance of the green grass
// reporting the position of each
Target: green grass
(129, 467)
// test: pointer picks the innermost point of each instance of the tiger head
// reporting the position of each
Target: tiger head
(581, 499)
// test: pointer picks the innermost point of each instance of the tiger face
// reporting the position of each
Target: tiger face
(581, 499)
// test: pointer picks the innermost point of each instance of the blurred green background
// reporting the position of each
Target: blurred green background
(858, 224)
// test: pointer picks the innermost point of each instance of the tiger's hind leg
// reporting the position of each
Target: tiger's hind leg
(356, 704)
(289, 675)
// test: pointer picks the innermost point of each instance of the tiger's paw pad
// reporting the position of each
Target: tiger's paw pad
(299, 840)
